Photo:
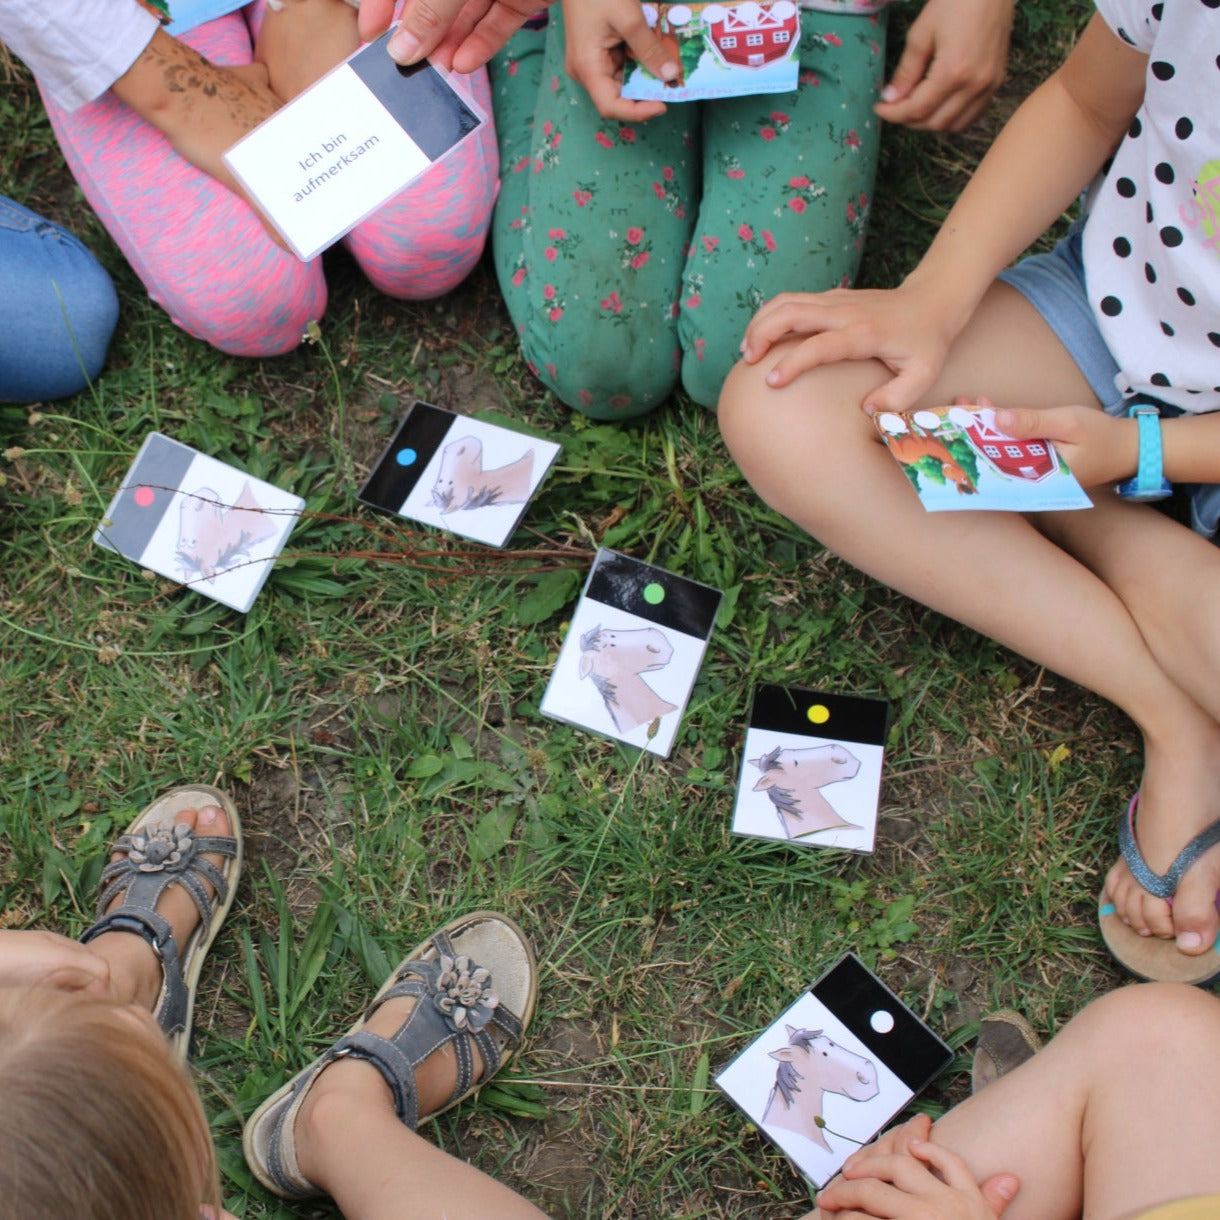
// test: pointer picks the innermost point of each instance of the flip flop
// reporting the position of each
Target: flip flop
(160, 853)
(474, 982)
(1150, 957)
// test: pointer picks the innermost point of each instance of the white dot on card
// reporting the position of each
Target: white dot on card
(882, 1021)
(926, 419)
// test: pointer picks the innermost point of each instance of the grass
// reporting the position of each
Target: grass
(376, 717)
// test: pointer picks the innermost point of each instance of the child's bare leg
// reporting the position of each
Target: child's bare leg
(1114, 1116)
(303, 41)
(1165, 574)
(815, 457)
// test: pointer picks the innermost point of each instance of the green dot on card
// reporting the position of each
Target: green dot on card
(654, 595)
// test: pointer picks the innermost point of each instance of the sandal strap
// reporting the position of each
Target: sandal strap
(1161, 885)
(153, 928)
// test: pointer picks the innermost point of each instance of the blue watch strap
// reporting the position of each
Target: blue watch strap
(1149, 482)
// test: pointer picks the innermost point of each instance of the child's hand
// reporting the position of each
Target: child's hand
(955, 58)
(46, 959)
(928, 1183)
(898, 327)
(596, 31)
(1097, 447)
(458, 34)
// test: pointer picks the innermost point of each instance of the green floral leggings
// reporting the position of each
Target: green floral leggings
(633, 255)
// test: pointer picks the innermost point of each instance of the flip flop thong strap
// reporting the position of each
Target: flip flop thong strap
(1161, 885)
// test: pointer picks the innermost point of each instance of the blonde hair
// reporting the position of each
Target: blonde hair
(97, 1121)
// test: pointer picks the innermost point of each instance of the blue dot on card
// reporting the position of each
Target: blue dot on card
(654, 595)
(406, 457)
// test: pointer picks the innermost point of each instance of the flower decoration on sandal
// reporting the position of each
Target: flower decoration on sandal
(462, 993)
(163, 850)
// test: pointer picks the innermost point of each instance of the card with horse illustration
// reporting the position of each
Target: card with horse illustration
(811, 768)
(834, 1068)
(956, 458)
(199, 521)
(632, 652)
(459, 474)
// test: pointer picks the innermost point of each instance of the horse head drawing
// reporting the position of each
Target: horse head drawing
(794, 780)
(462, 483)
(614, 660)
(810, 1066)
(214, 536)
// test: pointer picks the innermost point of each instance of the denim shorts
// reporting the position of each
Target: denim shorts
(1053, 283)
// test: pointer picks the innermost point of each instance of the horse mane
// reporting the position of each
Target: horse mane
(483, 497)
(786, 1076)
(239, 551)
(591, 639)
(784, 801)
(442, 500)
(769, 761)
(607, 690)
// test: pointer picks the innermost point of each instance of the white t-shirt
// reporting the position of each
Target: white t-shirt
(77, 50)
(1152, 241)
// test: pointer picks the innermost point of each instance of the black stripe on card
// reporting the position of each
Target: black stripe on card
(786, 709)
(154, 479)
(417, 98)
(652, 593)
(909, 1049)
(410, 450)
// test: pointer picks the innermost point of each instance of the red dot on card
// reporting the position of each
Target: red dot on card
(144, 496)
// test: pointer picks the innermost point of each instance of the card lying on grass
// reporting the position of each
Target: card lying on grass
(459, 474)
(957, 458)
(811, 769)
(834, 1069)
(727, 49)
(207, 525)
(632, 652)
(336, 153)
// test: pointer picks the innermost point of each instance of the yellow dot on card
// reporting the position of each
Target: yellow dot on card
(819, 713)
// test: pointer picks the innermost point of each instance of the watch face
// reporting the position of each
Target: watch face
(1131, 490)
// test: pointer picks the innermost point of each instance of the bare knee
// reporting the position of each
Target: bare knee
(1141, 1024)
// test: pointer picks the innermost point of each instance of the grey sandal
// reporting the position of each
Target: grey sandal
(161, 852)
(474, 982)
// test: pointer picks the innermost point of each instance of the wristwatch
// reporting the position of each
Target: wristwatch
(1150, 482)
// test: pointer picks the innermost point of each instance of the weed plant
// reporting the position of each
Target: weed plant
(376, 717)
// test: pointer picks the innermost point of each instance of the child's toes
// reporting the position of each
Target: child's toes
(1138, 909)
(1195, 920)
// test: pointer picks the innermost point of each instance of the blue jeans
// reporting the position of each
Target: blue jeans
(58, 309)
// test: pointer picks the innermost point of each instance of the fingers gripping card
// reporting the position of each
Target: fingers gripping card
(956, 458)
(811, 768)
(459, 474)
(336, 153)
(834, 1069)
(632, 652)
(207, 525)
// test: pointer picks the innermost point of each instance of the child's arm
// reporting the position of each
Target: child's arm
(46, 959)
(203, 109)
(1050, 149)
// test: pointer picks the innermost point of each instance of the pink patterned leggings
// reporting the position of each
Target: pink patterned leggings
(205, 257)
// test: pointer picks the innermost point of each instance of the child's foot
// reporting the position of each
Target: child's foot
(1180, 797)
(164, 899)
(446, 1020)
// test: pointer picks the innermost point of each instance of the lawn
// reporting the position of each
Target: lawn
(375, 717)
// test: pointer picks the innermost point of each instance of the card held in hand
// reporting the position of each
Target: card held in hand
(354, 139)
(811, 768)
(632, 652)
(199, 521)
(459, 474)
(834, 1069)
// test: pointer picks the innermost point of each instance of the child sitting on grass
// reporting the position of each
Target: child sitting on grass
(1123, 313)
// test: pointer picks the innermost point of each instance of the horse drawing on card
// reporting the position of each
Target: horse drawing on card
(794, 780)
(462, 482)
(614, 660)
(214, 536)
(810, 1066)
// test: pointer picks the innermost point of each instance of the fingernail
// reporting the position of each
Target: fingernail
(889, 94)
(870, 409)
(1006, 1188)
(669, 71)
(403, 47)
(773, 378)
(1189, 940)
(1145, 932)
(207, 815)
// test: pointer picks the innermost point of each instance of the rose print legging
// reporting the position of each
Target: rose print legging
(632, 256)
(205, 257)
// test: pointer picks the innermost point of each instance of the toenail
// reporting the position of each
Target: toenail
(1189, 940)
(207, 815)
(1145, 932)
